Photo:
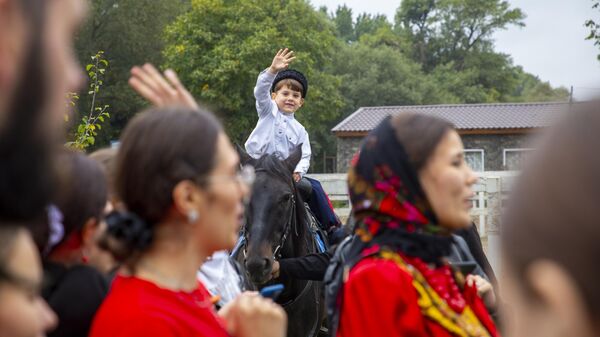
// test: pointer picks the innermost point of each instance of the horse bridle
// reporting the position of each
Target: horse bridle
(292, 221)
(288, 227)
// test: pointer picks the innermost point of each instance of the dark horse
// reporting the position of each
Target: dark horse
(277, 226)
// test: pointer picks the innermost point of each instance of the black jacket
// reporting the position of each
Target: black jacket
(75, 294)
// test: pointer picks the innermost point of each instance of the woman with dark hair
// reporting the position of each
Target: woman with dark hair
(551, 234)
(178, 177)
(37, 69)
(73, 284)
(410, 189)
(35, 51)
(23, 312)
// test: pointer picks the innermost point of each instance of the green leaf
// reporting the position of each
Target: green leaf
(88, 67)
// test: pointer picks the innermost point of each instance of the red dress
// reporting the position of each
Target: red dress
(135, 307)
(381, 298)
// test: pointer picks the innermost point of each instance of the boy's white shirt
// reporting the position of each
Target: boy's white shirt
(276, 131)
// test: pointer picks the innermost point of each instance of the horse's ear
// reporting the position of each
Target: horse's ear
(245, 158)
(292, 161)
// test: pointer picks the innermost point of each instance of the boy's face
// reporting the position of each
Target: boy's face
(288, 100)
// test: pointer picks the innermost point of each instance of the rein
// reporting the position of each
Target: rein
(291, 222)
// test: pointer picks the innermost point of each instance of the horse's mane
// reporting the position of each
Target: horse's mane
(272, 163)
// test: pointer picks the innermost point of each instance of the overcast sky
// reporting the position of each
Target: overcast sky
(552, 45)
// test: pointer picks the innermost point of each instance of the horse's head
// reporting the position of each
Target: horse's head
(271, 216)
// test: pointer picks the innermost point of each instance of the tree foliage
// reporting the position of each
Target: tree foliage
(219, 48)
(131, 33)
(435, 51)
(594, 26)
(86, 131)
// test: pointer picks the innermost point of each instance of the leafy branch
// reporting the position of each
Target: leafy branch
(88, 128)
(594, 28)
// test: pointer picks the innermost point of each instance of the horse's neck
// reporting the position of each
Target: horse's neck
(299, 247)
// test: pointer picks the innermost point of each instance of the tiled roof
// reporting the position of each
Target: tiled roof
(463, 116)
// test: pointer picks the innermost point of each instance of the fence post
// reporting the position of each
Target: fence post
(494, 189)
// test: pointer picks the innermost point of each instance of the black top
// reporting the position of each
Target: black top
(309, 267)
(313, 266)
(471, 236)
(74, 294)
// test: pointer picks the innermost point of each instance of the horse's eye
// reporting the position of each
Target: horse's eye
(286, 198)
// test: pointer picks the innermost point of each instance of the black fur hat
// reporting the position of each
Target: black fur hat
(294, 75)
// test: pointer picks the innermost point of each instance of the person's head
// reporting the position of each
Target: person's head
(551, 234)
(37, 68)
(23, 312)
(81, 199)
(178, 173)
(107, 158)
(412, 168)
(37, 57)
(289, 90)
(435, 151)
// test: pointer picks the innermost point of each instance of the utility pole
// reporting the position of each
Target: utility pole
(571, 96)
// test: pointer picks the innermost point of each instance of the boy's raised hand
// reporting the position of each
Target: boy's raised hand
(282, 60)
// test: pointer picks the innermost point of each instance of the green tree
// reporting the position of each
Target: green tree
(85, 132)
(344, 22)
(530, 88)
(382, 76)
(350, 30)
(594, 26)
(131, 33)
(367, 24)
(414, 22)
(219, 47)
(445, 31)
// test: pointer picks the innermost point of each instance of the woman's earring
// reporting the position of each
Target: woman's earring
(193, 216)
(84, 258)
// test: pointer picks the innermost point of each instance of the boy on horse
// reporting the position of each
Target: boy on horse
(280, 93)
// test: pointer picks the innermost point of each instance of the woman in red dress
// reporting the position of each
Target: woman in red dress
(410, 188)
(179, 178)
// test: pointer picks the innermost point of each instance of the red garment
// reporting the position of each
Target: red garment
(380, 299)
(135, 307)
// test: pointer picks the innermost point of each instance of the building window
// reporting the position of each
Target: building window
(475, 158)
(512, 159)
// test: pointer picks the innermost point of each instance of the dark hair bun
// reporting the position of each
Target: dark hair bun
(126, 235)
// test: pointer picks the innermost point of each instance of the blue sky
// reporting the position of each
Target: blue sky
(552, 45)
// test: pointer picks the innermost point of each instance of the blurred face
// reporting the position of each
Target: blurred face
(64, 72)
(98, 257)
(288, 100)
(521, 316)
(447, 181)
(551, 306)
(23, 313)
(222, 214)
(13, 38)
